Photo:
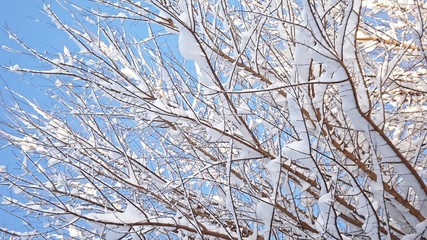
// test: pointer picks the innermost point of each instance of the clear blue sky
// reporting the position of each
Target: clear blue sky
(20, 17)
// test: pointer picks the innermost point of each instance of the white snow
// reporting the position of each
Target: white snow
(264, 212)
(15, 68)
(130, 73)
(273, 168)
(9, 49)
(74, 233)
(129, 216)
(188, 46)
(66, 52)
(52, 161)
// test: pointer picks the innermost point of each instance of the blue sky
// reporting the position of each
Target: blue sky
(20, 17)
(26, 19)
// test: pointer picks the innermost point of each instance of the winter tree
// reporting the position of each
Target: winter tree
(216, 119)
